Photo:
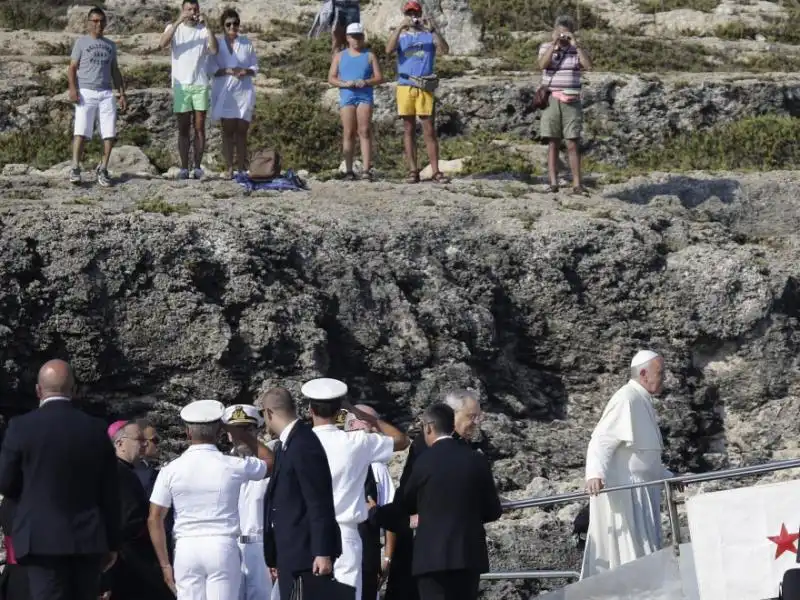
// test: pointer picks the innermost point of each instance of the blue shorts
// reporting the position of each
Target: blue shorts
(354, 97)
(347, 14)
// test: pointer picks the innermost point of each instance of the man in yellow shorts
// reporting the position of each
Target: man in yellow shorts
(416, 42)
(191, 41)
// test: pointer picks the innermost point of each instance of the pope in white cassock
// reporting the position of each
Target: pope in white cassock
(625, 448)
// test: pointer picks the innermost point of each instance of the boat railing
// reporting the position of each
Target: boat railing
(669, 486)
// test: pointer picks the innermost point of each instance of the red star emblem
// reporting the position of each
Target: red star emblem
(785, 541)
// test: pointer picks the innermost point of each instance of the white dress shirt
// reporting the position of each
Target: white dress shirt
(251, 507)
(203, 485)
(285, 433)
(350, 454)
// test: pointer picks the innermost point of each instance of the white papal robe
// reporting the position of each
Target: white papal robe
(625, 448)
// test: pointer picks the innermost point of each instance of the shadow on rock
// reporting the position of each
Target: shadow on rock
(691, 191)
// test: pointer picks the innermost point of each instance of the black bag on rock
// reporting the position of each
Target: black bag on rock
(321, 587)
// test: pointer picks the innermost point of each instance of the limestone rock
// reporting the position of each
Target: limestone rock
(130, 160)
(448, 167)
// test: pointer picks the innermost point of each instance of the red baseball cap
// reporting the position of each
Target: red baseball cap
(412, 6)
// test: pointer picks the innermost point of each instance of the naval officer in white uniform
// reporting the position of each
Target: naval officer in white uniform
(256, 581)
(203, 486)
(349, 457)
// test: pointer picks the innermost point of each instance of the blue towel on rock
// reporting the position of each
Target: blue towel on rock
(288, 181)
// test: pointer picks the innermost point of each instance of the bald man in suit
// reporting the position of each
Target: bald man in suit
(58, 465)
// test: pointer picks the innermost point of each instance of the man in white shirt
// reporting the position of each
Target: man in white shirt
(349, 457)
(191, 41)
(380, 491)
(256, 581)
(625, 448)
(203, 486)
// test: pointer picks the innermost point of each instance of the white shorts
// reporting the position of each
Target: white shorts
(93, 105)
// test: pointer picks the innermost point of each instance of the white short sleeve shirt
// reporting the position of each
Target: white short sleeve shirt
(190, 55)
(203, 486)
(350, 454)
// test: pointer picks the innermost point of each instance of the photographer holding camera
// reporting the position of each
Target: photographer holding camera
(562, 61)
(417, 41)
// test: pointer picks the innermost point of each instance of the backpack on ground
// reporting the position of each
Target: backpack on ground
(265, 165)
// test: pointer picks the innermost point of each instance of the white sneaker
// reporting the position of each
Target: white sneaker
(197, 174)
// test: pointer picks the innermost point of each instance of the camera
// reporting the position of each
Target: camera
(416, 21)
(563, 41)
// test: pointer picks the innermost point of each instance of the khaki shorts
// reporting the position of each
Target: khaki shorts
(562, 120)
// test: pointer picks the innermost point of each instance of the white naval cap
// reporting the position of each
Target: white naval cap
(642, 357)
(324, 389)
(202, 411)
(242, 414)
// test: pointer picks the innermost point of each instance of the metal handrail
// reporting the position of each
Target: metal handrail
(681, 479)
(530, 575)
(671, 508)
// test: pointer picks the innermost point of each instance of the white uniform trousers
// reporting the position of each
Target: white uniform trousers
(207, 568)
(276, 591)
(347, 567)
(256, 582)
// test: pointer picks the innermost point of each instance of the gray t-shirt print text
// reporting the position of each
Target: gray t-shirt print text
(94, 57)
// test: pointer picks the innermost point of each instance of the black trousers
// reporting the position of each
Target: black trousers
(63, 577)
(449, 585)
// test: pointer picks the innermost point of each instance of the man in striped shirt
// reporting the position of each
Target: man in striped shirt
(562, 60)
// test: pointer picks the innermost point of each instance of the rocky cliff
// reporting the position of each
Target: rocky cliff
(160, 292)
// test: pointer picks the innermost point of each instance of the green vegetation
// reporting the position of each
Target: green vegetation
(530, 15)
(763, 143)
(485, 157)
(630, 54)
(157, 204)
(51, 143)
(148, 75)
(656, 6)
(40, 15)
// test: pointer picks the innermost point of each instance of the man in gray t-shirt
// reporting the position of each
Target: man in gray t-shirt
(92, 73)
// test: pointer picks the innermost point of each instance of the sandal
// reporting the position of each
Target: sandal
(440, 177)
(347, 176)
(579, 191)
(413, 177)
(551, 189)
(368, 175)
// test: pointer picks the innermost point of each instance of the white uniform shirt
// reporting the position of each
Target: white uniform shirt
(384, 483)
(350, 454)
(251, 507)
(189, 55)
(203, 485)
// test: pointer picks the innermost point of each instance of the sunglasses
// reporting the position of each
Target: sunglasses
(231, 24)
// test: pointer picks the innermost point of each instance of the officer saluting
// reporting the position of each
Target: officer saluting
(349, 457)
(256, 581)
(203, 486)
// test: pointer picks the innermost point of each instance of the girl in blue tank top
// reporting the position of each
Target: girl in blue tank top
(355, 71)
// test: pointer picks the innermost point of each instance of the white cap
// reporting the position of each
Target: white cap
(242, 414)
(642, 357)
(355, 29)
(324, 389)
(202, 411)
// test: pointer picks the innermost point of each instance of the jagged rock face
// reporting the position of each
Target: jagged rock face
(538, 304)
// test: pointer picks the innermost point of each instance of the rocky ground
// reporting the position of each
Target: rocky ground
(161, 291)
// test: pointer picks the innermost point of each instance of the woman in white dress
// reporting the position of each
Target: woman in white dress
(233, 95)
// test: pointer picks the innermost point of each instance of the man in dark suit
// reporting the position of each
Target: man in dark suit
(301, 535)
(401, 584)
(60, 467)
(452, 491)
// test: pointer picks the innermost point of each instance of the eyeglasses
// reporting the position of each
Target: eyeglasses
(231, 24)
(97, 20)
